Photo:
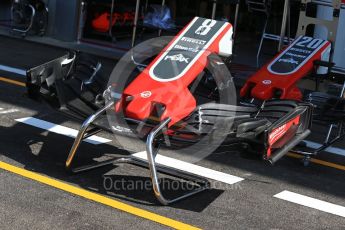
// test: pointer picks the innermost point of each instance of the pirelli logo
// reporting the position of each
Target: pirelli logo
(193, 40)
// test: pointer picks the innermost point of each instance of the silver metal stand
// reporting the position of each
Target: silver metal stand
(337, 127)
(136, 17)
(261, 41)
(83, 134)
(214, 8)
(236, 18)
(285, 21)
(110, 32)
(332, 27)
(151, 155)
(160, 30)
(327, 143)
(135, 23)
(200, 183)
(260, 6)
(264, 6)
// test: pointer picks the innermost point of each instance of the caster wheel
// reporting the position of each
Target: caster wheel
(306, 161)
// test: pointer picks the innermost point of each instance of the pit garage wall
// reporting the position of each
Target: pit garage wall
(325, 12)
(64, 16)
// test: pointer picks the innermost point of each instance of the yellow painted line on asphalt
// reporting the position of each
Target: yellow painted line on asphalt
(318, 161)
(14, 82)
(96, 197)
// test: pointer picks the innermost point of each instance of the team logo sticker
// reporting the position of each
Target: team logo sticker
(177, 57)
(146, 94)
(266, 82)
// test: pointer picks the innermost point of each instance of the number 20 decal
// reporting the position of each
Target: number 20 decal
(311, 43)
(205, 27)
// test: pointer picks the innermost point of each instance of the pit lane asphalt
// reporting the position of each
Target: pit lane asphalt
(249, 204)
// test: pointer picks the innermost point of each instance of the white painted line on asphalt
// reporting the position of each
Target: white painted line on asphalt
(2, 111)
(59, 129)
(311, 203)
(13, 70)
(334, 150)
(163, 160)
(192, 168)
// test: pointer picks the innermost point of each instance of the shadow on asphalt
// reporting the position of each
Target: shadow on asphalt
(43, 152)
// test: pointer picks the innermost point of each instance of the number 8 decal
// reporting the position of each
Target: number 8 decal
(205, 27)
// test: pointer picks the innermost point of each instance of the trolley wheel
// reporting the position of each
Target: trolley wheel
(306, 161)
